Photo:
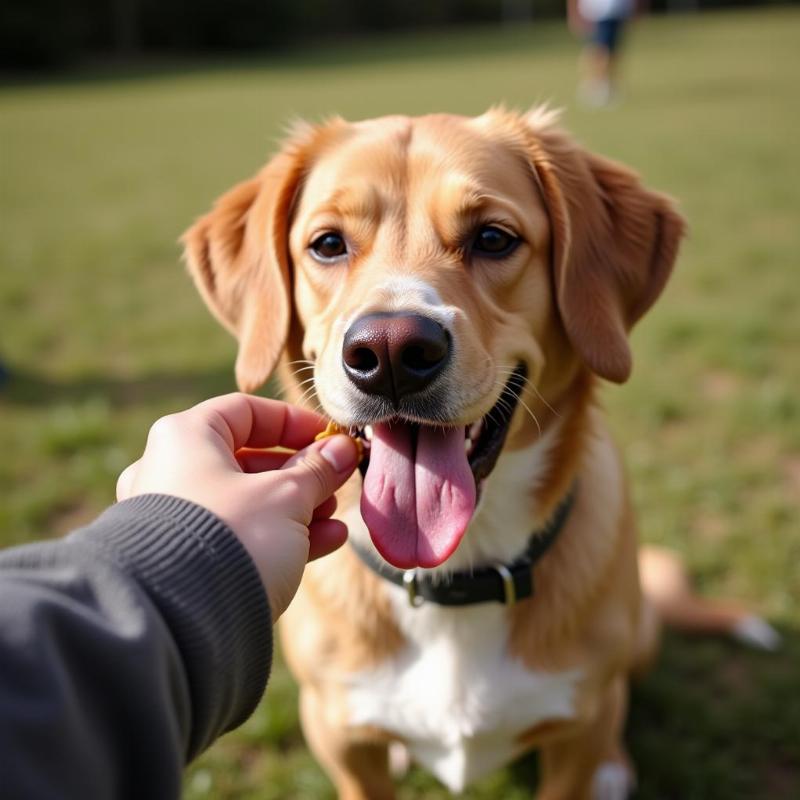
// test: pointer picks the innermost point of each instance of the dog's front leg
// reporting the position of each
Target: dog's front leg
(359, 768)
(592, 764)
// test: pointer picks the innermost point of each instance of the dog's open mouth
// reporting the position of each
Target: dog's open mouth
(421, 482)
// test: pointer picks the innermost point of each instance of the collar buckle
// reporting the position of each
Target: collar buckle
(410, 582)
(509, 587)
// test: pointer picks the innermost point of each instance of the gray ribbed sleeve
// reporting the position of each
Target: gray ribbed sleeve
(125, 650)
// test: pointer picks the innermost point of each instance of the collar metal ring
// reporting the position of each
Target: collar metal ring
(410, 582)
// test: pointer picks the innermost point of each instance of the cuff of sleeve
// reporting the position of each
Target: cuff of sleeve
(206, 587)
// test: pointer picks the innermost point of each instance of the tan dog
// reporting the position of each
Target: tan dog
(452, 288)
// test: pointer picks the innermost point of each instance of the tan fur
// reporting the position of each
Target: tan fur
(597, 251)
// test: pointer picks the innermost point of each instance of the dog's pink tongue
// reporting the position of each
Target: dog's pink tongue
(419, 493)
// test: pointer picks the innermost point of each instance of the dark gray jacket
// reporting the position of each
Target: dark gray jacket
(125, 650)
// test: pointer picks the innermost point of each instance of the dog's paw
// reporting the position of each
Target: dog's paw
(757, 633)
(399, 759)
(612, 781)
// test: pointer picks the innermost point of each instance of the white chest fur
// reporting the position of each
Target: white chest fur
(454, 694)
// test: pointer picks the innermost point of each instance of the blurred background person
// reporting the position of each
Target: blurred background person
(602, 24)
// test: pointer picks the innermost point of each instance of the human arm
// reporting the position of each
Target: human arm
(128, 647)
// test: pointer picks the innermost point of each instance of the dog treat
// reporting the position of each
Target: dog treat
(334, 428)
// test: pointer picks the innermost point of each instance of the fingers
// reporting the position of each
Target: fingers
(249, 421)
(322, 468)
(262, 460)
(325, 536)
(327, 509)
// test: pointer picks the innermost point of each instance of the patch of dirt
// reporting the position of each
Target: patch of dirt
(762, 449)
(710, 527)
(720, 385)
(791, 472)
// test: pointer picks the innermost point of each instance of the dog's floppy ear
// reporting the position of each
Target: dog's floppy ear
(614, 245)
(238, 256)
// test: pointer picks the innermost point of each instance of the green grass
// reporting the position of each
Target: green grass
(103, 333)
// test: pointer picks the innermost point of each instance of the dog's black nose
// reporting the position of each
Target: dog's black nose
(394, 354)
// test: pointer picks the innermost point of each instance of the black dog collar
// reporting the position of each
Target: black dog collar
(501, 583)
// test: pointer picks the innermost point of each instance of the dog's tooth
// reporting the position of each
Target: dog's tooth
(368, 432)
(468, 445)
(475, 430)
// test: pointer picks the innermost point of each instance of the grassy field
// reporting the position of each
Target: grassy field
(102, 333)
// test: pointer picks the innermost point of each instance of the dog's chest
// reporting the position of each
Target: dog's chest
(454, 695)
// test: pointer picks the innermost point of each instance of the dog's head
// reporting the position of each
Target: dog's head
(429, 272)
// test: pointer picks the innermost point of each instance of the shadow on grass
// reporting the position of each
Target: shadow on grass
(718, 721)
(24, 387)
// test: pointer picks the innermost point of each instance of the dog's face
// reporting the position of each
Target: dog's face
(421, 271)
(431, 273)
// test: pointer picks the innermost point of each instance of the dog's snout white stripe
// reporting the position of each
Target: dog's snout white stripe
(401, 293)
(405, 288)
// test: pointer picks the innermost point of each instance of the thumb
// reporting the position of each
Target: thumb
(322, 467)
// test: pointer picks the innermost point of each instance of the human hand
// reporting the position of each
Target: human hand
(278, 504)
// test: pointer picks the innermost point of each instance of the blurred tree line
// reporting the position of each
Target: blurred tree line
(48, 33)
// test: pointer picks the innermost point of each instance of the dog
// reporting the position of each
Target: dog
(452, 290)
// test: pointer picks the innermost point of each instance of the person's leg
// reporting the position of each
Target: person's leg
(600, 63)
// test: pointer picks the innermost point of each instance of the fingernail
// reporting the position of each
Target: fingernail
(340, 452)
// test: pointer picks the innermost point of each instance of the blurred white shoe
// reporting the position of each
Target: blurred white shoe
(596, 94)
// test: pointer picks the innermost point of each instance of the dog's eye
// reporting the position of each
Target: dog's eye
(494, 242)
(328, 247)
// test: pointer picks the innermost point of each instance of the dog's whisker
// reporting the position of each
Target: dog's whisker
(529, 384)
(307, 391)
(318, 407)
(296, 373)
(532, 415)
(518, 397)
(306, 395)
(535, 388)
(490, 416)
(507, 411)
